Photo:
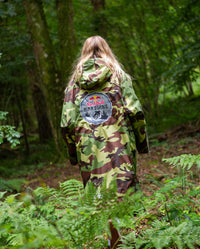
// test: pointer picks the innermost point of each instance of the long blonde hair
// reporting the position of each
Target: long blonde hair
(97, 47)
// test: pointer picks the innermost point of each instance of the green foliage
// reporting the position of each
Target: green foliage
(175, 112)
(8, 132)
(14, 163)
(11, 184)
(184, 68)
(48, 217)
(3, 115)
(70, 217)
(172, 217)
(158, 44)
(161, 235)
(185, 161)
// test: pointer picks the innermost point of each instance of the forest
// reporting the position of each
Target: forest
(42, 200)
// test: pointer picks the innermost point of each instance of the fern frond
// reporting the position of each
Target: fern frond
(163, 235)
(185, 161)
(71, 187)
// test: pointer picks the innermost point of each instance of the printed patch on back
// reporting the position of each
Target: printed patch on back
(96, 108)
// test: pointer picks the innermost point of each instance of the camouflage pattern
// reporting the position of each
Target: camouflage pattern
(105, 149)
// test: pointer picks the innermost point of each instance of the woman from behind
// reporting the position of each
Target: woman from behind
(102, 121)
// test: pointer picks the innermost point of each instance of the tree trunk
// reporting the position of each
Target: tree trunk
(189, 88)
(21, 113)
(98, 5)
(45, 59)
(99, 18)
(66, 38)
(39, 101)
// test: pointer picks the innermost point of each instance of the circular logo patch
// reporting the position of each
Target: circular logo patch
(96, 108)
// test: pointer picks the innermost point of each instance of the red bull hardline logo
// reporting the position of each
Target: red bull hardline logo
(96, 108)
(95, 100)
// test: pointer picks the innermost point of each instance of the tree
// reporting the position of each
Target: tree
(40, 105)
(66, 38)
(53, 76)
(99, 17)
(45, 57)
(142, 44)
(158, 44)
(185, 68)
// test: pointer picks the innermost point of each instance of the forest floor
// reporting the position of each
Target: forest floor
(184, 139)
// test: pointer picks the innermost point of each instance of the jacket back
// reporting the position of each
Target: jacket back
(103, 123)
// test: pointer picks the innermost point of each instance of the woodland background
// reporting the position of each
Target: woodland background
(158, 42)
(41, 203)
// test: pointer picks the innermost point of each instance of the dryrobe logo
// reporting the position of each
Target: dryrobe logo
(96, 108)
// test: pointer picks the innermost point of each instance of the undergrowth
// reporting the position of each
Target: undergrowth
(174, 112)
(73, 217)
(17, 164)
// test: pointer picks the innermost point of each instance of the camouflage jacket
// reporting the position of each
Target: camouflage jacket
(103, 124)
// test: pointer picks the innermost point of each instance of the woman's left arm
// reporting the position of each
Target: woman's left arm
(68, 119)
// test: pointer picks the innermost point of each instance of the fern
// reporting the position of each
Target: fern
(71, 187)
(70, 217)
(185, 161)
(12, 185)
(161, 235)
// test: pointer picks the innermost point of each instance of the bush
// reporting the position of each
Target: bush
(8, 132)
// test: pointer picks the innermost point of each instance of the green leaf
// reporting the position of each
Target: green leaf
(2, 194)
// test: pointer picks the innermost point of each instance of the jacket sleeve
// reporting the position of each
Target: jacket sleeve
(68, 119)
(134, 110)
(69, 139)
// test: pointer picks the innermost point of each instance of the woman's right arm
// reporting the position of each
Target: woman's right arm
(70, 141)
(68, 119)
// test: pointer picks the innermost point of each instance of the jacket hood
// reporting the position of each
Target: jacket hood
(94, 73)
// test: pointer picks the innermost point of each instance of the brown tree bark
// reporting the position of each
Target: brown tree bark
(189, 88)
(98, 5)
(66, 38)
(40, 105)
(21, 113)
(45, 59)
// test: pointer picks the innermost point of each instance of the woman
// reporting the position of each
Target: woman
(102, 120)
